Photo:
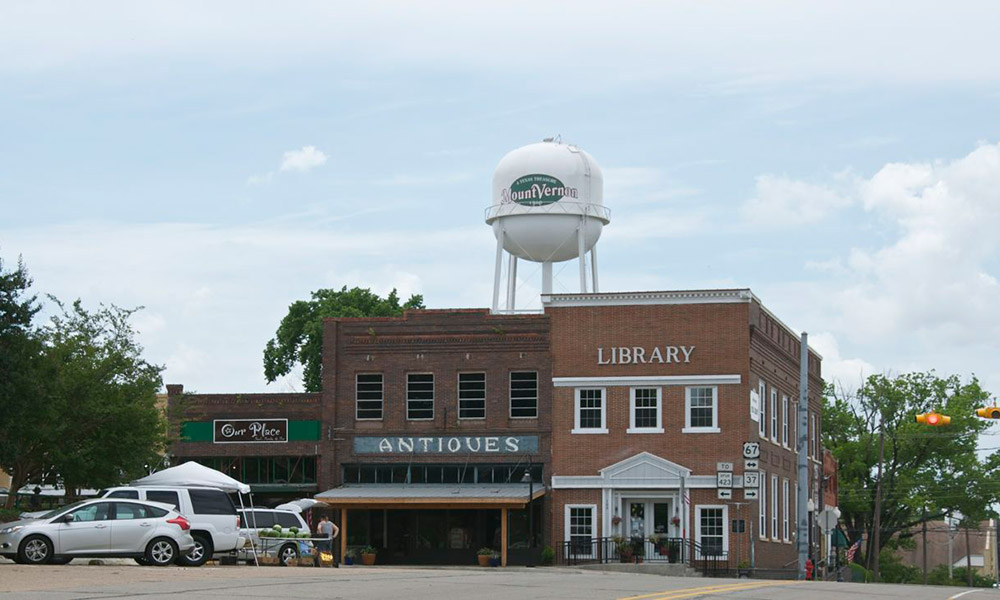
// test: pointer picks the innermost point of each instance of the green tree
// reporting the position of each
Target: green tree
(77, 398)
(299, 339)
(927, 472)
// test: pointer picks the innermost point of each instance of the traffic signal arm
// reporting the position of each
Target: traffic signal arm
(933, 419)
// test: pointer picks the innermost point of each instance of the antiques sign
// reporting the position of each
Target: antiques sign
(253, 431)
(479, 444)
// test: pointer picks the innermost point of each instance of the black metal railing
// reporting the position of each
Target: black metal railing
(708, 558)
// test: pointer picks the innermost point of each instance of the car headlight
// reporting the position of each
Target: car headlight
(9, 530)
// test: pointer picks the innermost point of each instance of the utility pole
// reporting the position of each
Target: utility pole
(877, 527)
(968, 555)
(951, 558)
(802, 435)
(925, 545)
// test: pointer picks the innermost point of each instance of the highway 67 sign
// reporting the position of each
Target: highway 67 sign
(751, 449)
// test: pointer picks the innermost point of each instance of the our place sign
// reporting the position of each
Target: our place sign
(464, 444)
(252, 431)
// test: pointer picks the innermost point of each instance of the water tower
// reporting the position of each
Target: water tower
(547, 208)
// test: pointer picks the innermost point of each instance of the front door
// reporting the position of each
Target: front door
(646, 517)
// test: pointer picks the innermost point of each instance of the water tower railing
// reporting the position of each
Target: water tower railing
(561, 207)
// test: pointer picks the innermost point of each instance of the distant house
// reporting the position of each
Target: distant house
(947, 544)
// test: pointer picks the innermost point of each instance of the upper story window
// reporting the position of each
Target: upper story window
(524, 394)
(419, 396)
(701, 413)
(368, 396)
(762, 423)
(590, 413)
(774, 415)
(812, 434)
(644, 407)
(784, 420)
(472, 395)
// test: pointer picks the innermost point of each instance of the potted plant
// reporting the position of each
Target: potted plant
(658, 540)
(368, 555)
(495, 560)
(673, 550)
(484, 555)
(624, 547)
(616, 521)
(350, 556)
(676, 520)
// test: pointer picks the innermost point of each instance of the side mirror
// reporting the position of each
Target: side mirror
(67, 518)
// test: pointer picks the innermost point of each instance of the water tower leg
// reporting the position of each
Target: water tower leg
(547, 277)
(593, 268)
(496, 273)
(511, 282)
(583, 255)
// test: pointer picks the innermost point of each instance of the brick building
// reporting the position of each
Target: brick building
(612, 411)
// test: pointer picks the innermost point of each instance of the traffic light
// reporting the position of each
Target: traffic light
(934, 419)
(989, 412)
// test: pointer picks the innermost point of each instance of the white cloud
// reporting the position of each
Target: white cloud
(782, 202)
(846, 372)
(264, 179)
(302, 160)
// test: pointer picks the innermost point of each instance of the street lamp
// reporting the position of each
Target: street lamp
(526, 478)
(811, 508)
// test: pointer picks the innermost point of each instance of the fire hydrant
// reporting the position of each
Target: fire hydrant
(809, 569)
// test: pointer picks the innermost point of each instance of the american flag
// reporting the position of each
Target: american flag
(853, 550)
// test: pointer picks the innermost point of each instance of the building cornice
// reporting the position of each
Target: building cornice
(734, 296)
(647, 380)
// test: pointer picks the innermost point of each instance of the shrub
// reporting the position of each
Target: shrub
(485, 551)
(548, 555)
(368, 550)
(859, 573)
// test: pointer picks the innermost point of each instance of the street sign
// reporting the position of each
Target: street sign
(725, 494)
(723, 479)
(751, 493)
(751, 449)
(828, 519)
(751, 479)
(751, 464)
(739, 525)
(754, 406)
(737, 481)
(724, 467)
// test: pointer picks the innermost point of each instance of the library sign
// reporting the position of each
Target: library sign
(478, 444)
(252, 431)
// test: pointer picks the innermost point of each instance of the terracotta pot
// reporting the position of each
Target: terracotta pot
(368, 559)
(484, 560)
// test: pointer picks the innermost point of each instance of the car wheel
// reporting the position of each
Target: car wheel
(996, 414)
(60, 560)
(161, 552)
(198, 555)
(142, 561)
(35, 550)
(287, 553)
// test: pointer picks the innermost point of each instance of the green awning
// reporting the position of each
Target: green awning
(839, 539)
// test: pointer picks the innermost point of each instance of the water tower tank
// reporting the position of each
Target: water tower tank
(541, 192)
(547, 207)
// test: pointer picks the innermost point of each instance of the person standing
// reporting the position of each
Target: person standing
(328, 531)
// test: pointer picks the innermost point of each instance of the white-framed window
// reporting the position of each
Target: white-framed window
(795, 426)
(786, 533)
(762, 423)
(368, 396)
(524, 394)
(774, 415)
(812, 435)
(774, 507)
(419, 396)
(645, 410)
(710, 529)
(784, 421)
(701, 414)
(472, 395)
(590, 415)
(580, 528)
(762, 507)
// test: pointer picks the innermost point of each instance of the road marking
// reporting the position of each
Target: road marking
(710, 589)
(964, 593)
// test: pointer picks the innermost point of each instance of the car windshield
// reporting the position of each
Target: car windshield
(61, 509)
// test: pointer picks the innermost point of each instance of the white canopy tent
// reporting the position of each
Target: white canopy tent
(192, 474)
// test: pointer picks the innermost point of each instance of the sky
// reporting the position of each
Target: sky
(215, 162)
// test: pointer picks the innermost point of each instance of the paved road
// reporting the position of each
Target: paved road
(121, 580)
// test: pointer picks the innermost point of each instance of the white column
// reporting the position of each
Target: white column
(580, 232)
(547, 277)
(593, 269)
(511, 282)
(496, 272)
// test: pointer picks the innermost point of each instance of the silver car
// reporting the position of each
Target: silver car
(150, 532)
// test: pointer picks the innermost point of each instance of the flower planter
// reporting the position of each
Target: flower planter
(348, 560)
(494, 561)
(484, 560)
(368, 559)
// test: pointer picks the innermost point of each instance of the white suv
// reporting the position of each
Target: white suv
(285, 549)
(215, 525)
